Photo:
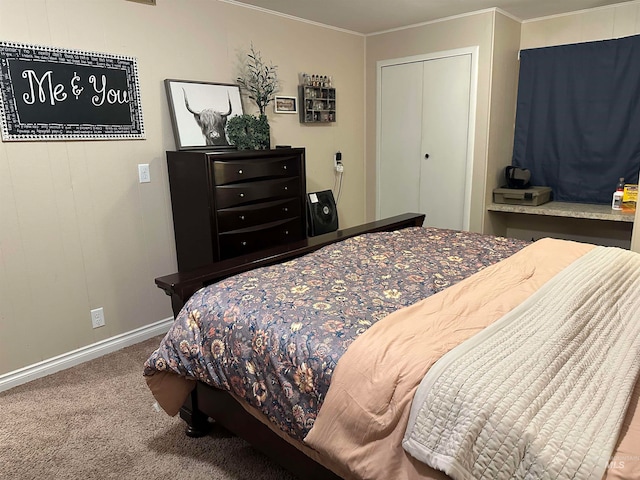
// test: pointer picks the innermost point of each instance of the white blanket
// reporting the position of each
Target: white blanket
(542, 392)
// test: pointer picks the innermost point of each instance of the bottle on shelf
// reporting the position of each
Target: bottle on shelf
(616, 202)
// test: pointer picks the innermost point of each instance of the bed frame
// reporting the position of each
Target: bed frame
(206, 402)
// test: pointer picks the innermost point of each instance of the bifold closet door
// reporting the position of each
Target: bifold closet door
(424, 128)
(400, 141)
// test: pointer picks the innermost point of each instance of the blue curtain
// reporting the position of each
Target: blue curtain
(578, 118)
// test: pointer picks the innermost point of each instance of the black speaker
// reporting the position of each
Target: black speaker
(323, 214)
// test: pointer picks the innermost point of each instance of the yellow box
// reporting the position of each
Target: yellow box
(630, 197)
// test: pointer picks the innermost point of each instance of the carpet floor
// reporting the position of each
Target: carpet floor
(97, 421)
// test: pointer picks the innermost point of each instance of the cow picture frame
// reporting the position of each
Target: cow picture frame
(199, 112)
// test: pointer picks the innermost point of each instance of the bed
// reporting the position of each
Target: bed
(326, 389)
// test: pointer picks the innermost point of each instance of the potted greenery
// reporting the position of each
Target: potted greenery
(248, 132)
(260, 83)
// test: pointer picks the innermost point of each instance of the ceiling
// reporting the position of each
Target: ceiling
(370, 16)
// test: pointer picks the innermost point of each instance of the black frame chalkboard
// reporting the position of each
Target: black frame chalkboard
(49, 93)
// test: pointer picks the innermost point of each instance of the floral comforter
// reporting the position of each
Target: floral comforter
(274, 335)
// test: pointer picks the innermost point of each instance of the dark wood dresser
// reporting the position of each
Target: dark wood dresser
(227, 204)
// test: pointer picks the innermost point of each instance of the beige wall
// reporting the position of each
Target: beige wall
(499, 38)
(77, 230)
(585, 26)
(504, 81)
(466, 31)
(596, 24)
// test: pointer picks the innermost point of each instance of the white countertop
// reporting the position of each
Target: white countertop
(566, 209)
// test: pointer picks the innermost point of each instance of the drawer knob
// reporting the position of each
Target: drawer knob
(244, 244)
(241, 195)
(241, 217)
(285, 167)
(286, 232)
(286, 188)
(285, 209)
(240, 172)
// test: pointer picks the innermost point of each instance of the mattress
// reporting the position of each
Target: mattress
(273, 336)
(360, 428)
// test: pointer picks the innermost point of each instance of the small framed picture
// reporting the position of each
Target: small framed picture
(285, 105)
(199, 113)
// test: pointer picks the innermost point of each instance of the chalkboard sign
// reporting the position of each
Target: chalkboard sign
(51, 93)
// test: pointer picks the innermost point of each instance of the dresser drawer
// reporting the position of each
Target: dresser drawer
(244, 193)
(239, 171)
(236, 218)
(241, 242)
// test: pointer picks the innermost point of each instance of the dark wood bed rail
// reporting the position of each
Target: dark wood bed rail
(180, 286)
(231, 416)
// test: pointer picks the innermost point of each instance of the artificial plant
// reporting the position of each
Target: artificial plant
(248, 132)
(258, 80)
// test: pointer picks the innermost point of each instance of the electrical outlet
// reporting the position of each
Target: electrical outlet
(143, 173)
(337, 159)
(97, 317)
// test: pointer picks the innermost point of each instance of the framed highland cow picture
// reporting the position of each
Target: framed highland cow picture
(199, 113)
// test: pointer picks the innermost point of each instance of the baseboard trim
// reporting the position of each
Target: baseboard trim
(81, 355)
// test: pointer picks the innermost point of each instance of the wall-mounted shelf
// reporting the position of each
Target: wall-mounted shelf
(317, 104)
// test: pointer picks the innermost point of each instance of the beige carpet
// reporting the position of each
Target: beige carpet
(97, 421)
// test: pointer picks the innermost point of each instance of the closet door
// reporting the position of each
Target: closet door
(445, 133)
(423, 144)
(400, 143)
